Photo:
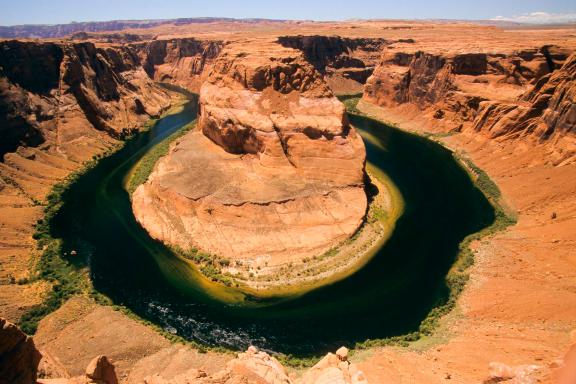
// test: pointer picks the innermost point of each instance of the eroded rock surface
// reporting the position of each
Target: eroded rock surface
(19, 358)
(254, 366)
(273, 172)
(183, 62)
(524, 93)
(61, 104)
(346, 62)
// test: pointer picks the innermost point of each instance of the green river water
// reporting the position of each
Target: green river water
(389, 296)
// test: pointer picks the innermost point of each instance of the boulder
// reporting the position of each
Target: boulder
(19, 358)
(101, 371)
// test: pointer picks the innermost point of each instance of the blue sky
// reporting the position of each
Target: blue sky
(64, 11)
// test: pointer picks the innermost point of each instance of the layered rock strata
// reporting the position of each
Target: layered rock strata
(49, 92)
(60, 105)
(525, 93)
(182, 62)
(274, 171)
(346, 63)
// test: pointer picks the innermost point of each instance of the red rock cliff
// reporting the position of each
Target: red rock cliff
(59, 93)
(527, 93)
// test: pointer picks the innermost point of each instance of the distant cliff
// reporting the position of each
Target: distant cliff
(346, 62)
(529, 92)
(61, 30)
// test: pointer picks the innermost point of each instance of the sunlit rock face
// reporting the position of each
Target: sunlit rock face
(61, 97)
(273, 170)
(525, 94)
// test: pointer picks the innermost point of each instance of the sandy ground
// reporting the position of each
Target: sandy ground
(71, 337)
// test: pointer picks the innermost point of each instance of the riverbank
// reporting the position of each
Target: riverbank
(63, 270)
(387, 149)
(398, 295)
(458, 275)
(518, 307)
(263, 282)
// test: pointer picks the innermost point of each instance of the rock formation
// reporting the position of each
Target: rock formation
(505, 90)
(334, 369)
(528, 92)
(100, 370)
(547, 110)
(254, 366)
(19, 358)
(346, 63)
(274, 171)
(182, 62)
(502, 373)
(60, 105)
(59, 93)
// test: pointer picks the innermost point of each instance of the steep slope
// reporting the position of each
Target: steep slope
(521, 94)
(60, 105)
(346, 63)
(182, 62)
(548, 110)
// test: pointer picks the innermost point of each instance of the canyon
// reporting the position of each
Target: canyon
(503, 99)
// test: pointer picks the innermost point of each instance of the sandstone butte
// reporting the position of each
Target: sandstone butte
(274, 171)
(502, 97)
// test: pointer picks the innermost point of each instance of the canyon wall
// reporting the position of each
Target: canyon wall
(274, 172)
(54, 93)
(182, 62)
(60, 105)
(526, 93)
(346, 63)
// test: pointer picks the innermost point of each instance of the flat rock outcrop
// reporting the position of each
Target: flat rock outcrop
(19, 358)
(274, 171)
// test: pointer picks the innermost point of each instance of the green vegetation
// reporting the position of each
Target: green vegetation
(145, 166)
(458, 276)
(66, 271)
(351, 103)
(208, 264)
(66, 275)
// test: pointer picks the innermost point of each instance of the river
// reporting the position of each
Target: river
(389, 296)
